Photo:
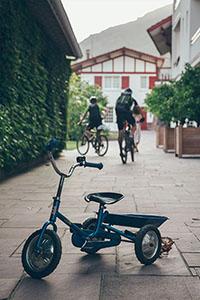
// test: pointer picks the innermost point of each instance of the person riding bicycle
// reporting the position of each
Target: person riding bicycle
(139, 119)
(95, 119)
(123, 108)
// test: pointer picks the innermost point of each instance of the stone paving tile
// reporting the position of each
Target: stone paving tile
(173, 264)
(192, 259)
(82, 263)
(129, 287)
(10, 268)
(60, 286)
(6, 286)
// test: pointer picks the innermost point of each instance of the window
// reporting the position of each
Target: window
(143, 82)
(109, 115)
(108, 82)
(112, 82)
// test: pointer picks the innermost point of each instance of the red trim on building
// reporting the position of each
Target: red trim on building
(144, 124)
(152, 80)
(117, 53)
(119, 73)
(98, 80)
(125, 82)
(159, 24)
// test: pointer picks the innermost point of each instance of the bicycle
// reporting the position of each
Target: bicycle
(127, 144)
(98, 141)
(42, 250)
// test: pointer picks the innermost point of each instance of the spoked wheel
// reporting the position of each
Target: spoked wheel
(91, 224)
(148, 244)
(82, 144)
(102, 145)
(124, 153)
(41, 264)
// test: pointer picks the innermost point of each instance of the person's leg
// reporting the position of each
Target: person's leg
(120, 124)
(88, 131)
(120, 139)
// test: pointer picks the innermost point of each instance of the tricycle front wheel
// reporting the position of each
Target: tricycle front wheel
(44, 262)
(148, 244)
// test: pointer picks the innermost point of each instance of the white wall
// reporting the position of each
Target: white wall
(185, 23)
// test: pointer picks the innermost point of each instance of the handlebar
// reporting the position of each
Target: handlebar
(81, 162)
(93, 165)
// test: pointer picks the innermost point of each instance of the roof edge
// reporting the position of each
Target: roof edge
(64, 23)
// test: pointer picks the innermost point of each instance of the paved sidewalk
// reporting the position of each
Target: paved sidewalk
(156, 183)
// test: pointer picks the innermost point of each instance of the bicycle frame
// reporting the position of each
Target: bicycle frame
(74, 226)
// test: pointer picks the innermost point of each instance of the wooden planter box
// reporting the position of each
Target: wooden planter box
(169, 139)
(187, 141)
(159, 136)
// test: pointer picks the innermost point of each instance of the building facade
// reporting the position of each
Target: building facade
(185, 35)
(120, 69)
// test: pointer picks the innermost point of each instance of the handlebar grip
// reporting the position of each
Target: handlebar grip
(94, 165)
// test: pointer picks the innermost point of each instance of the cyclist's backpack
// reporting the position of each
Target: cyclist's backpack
(124, 101)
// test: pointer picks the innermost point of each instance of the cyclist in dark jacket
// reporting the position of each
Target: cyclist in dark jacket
(124, 106)
(95, 119)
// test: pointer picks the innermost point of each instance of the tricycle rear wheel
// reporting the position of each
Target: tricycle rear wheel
(148, 244)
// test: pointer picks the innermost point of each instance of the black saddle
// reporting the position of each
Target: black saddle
(104, 198)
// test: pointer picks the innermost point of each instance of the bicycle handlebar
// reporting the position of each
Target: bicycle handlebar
(93, 165)
(81, 162)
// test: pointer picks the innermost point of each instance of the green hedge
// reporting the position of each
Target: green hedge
(33, 97)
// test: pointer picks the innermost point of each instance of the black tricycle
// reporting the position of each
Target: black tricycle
(42, 250)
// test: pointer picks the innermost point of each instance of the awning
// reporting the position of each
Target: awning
(161, 34)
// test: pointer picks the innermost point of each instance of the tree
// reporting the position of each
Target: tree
(160, 102)
(187, 96)
(79, 93)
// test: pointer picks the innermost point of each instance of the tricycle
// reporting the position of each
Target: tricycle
(42, 250)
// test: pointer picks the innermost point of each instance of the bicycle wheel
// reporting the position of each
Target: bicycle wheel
(82, 144)
(102, 145)
(148, 244)
(124, 152)
(132, 150)
(41, 264)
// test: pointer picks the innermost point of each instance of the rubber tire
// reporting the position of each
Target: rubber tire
(79, 147)
(124, 150)
(138, 244)
(132, 153)
(105, 142)
(56, 255)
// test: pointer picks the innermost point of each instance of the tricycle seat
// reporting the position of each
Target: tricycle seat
(104, 198)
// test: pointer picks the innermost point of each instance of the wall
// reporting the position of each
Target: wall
(32, 88)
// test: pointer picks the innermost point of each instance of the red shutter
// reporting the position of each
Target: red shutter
(144, 124)
(125, 82)
(152, 80)
(98, 80)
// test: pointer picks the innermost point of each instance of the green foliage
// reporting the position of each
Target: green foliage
(160, 102)
(33, 79)
(178, 101)
(187, 96)
(79, 94)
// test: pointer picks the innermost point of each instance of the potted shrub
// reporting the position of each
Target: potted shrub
(160, 103)
(187, 102)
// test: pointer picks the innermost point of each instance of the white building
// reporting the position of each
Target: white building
(185, 35)
(179, 35)
(117, 70)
